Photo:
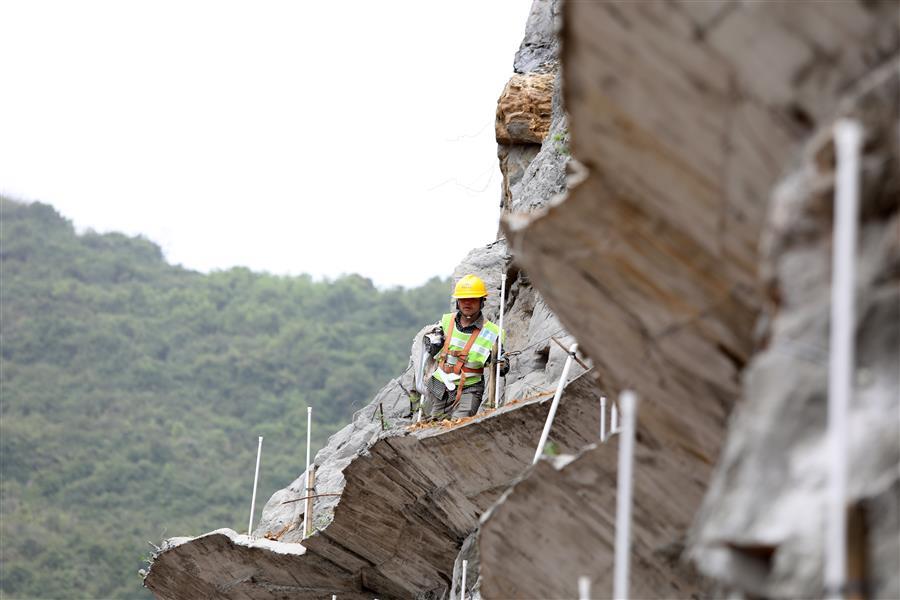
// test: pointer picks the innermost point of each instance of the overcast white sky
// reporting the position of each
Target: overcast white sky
(291, 137)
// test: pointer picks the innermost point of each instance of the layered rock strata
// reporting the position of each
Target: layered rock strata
(407, 502)
(376, 558)
(560, 519)
(683, 119)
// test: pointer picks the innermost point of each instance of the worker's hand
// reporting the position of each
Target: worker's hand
(503, 362)
(433, 340)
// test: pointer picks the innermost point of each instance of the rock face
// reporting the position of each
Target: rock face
(395, 505)
(530, 106)
(407, 502)
(539, 49)
(762, 525)
(560, 519)
(652, 257)
(682, 118)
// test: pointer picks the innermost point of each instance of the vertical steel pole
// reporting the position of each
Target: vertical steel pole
(308, 512)
(420, 381)
(306, 519)
(255, 482)
(462, 587)
(623, 495)
(500, 338)
(559, 388)
(584, 588)
(602, 418)
(848, 139)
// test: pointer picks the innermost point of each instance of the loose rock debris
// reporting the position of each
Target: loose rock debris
(451, 423)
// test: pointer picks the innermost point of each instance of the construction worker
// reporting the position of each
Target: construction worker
(462, 346)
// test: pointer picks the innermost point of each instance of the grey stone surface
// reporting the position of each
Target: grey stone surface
(469, 553)
(559, 519)
(407, 503)
(652, 257)
(359, 556)
(539, 48)
(545, 179)
(769, 491)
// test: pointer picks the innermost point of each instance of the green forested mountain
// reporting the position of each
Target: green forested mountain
(132, 393)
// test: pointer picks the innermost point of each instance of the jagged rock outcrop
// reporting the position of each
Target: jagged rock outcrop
(524, 112)
(524, 109)
(540, 46)
(529, 106)
(390, 516)
(407, 502)
(396, 504)
(761, 530)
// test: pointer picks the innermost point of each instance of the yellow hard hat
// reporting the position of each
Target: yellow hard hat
(470, 286)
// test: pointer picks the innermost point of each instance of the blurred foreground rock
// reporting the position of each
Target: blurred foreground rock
(762, 526)
(683, 119)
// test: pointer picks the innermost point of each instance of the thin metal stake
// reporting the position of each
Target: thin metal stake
(462, 587)
(310, 498)
(255, 482)
(420, 382)
(623, 495)
(614, 419)
(306, 519)
(602, 418)
(584, 588)
(848, 138)
(500, 339)
(559, 388)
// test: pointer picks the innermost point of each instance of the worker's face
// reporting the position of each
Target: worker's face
(469, 306)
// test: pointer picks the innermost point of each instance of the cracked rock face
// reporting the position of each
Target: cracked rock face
(560, 519)
(407, 503)
(539, 49)
(762, 524)
(531, 125)
(682, 133)
(397, 505)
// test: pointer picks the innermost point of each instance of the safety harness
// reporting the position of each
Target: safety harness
(458, 365)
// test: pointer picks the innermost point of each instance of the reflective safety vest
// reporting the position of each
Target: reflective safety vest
(463, 355)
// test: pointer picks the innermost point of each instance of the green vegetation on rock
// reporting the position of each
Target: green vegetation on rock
(132, 393)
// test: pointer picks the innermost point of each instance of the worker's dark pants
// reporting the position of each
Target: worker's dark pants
(441, 401)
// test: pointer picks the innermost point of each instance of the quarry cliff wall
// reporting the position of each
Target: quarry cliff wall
(666, 183)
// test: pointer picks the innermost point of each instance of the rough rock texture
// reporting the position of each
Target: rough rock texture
(540, 46)
(402, 503)
(683, 118)
(408, 501)
(560, 519)
(524, 109)
(761, 529)
(544, 177)
(530, 106)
